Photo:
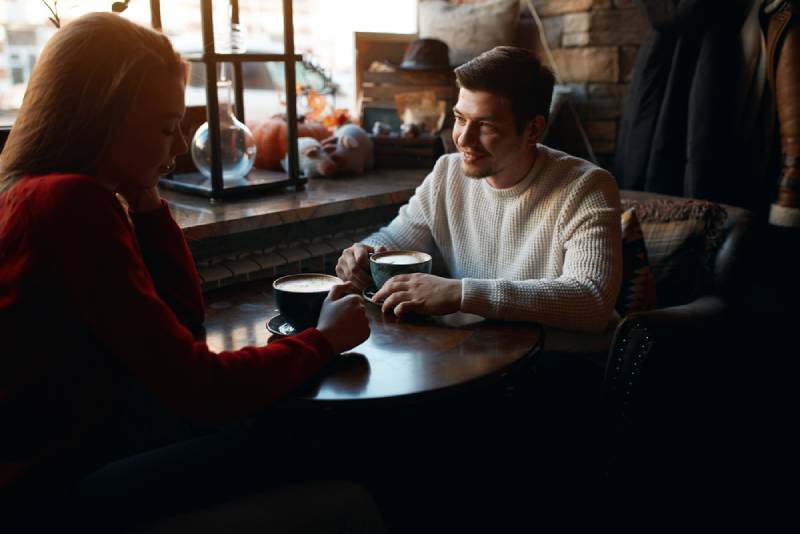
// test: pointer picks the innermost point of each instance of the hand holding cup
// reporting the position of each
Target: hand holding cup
(354, 266)
(343, 319)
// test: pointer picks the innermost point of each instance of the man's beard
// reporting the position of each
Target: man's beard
(476, 172)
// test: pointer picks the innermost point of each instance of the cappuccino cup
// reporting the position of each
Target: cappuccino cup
(385, 265)
(300, 296)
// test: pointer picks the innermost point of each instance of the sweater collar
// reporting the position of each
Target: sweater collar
(520, 187)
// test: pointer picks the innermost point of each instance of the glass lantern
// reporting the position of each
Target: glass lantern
(223, 149)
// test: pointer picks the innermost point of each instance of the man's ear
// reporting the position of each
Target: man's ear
(534, 131)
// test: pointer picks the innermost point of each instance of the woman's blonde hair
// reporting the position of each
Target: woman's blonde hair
(80, 92)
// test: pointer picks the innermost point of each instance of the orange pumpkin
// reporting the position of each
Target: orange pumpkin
(272, 139)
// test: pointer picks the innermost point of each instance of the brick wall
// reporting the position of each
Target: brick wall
(312, 245)
(594, 44)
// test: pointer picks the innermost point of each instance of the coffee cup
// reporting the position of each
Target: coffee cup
(384, 265)
(300, 296)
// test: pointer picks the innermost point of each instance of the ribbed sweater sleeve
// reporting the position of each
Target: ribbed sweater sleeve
(411, 229)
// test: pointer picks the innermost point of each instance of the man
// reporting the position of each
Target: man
(527, 233)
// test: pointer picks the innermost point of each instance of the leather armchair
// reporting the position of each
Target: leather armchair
(660, 374)
(649, 350)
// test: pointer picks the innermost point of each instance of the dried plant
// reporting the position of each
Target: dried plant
(119, 7)
(52, 7)
(54, 18)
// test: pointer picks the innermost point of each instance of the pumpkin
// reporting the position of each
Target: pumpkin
(272, 139)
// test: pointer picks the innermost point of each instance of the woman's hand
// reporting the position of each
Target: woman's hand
(139, 199)
(343, 319)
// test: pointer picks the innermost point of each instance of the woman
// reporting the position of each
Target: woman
(94, 296)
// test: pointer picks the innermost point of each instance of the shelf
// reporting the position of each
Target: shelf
(258, 181)
(240, 58)
(321, 197)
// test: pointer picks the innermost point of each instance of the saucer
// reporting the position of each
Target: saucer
(279, 326)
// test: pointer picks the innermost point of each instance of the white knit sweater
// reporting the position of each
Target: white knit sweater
(546, 250)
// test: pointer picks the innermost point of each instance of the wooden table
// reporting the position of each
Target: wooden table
(403, 360)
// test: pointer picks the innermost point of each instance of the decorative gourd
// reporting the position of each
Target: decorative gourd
(272, 139)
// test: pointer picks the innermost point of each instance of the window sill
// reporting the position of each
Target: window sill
(322, 197)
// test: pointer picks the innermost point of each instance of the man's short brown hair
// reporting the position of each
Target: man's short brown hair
(513, 73)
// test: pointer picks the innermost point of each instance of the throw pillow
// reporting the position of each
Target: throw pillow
(638, 291)
(682, 237)
(469, 29)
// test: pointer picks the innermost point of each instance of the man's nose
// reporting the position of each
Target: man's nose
(468, 135)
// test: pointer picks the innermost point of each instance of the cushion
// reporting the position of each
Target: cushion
(638, 290)
(682, 237)
(469, 29)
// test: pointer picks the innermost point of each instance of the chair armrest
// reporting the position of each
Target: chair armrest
(656, 373)
(655, 355)
(683, 320)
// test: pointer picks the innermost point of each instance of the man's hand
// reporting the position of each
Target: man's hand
(343, 320)
(353, 265)
(420, 293)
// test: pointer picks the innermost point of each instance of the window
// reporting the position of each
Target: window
(21, 37)
(323, 34)
(17, 75)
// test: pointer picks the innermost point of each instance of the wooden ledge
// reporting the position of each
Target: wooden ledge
(322, 197)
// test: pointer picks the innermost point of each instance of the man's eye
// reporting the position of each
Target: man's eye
(460, 120)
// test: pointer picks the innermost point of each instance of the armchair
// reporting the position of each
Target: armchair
(659, 380)
(653, 352)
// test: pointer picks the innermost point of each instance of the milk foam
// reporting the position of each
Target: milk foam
(307, 285)
(399, 259)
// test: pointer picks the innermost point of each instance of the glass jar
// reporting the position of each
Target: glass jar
(237, 144)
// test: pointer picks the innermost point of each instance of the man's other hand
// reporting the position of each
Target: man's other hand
(420, 293)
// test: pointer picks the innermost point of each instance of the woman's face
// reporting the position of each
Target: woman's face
(150, 138)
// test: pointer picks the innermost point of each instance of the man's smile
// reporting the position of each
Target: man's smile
(472, 157)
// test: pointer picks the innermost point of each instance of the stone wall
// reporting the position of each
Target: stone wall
(594, 44)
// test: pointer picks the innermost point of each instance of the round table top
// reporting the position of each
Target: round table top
(401, 360)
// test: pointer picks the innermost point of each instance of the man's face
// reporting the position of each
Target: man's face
(486, 135)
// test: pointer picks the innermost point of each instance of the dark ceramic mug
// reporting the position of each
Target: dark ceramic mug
(384, 265)
(300, 296)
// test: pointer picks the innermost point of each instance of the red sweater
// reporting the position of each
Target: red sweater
(89, 300)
